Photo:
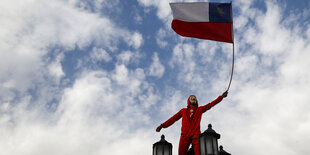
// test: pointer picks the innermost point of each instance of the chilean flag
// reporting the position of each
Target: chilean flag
(203, 20)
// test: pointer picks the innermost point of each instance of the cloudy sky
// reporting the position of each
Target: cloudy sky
(96, 77)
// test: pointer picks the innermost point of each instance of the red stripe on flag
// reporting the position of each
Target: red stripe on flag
(204, 30)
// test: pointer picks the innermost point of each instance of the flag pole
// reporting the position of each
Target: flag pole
(232, 67)
(233, 43)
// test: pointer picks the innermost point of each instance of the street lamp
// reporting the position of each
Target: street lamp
(223, 152)
(208, 142)
(162, 147)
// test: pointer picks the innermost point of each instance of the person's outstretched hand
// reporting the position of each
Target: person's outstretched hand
(225, 94)
(159, 128)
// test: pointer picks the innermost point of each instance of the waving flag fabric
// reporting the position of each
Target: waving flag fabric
(203, 20)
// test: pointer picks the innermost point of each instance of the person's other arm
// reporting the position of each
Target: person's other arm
(170, 121)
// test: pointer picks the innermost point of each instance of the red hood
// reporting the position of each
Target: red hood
(188, 102)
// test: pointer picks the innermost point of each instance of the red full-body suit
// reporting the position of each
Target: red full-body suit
(190, 130)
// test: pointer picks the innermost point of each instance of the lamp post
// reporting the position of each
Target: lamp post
(208, 142)
(162, 147)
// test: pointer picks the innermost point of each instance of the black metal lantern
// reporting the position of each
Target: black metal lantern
(223, 152)
(162, 147)
(208, 142)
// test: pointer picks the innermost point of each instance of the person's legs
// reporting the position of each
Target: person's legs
(184, 144)
(196, 144)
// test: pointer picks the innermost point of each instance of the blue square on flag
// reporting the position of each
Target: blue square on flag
(219, 12)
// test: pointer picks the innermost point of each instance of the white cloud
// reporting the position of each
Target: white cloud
(163, 11)
(207, 50)
(135, 40)
(161, 34)
(121, 74)
(156, 69)
(55, 68)
(99, 54)
(184, 59)
(173, 103)
(127, 57)
(96, 115)
(28, 121)
(95, 5)
(269, 43)
(97, 102)
(247, 64)
(32, 27)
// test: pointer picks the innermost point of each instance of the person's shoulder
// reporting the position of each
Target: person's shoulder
(200, 107)
(183, 109)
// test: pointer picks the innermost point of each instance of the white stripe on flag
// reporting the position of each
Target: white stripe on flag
(191, 12)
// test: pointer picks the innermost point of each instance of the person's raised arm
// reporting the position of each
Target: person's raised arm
(213, 103)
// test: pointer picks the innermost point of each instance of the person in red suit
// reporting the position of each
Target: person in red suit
(191, 117)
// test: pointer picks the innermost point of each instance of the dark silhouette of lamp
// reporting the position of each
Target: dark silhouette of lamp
(223, 152)
(162, 147)
(208, 142)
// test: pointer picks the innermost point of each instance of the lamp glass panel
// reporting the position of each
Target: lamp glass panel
(166, 150)
(209, 145)
(154, 150)
(160, 150)
(215, 148)
(202, 145)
